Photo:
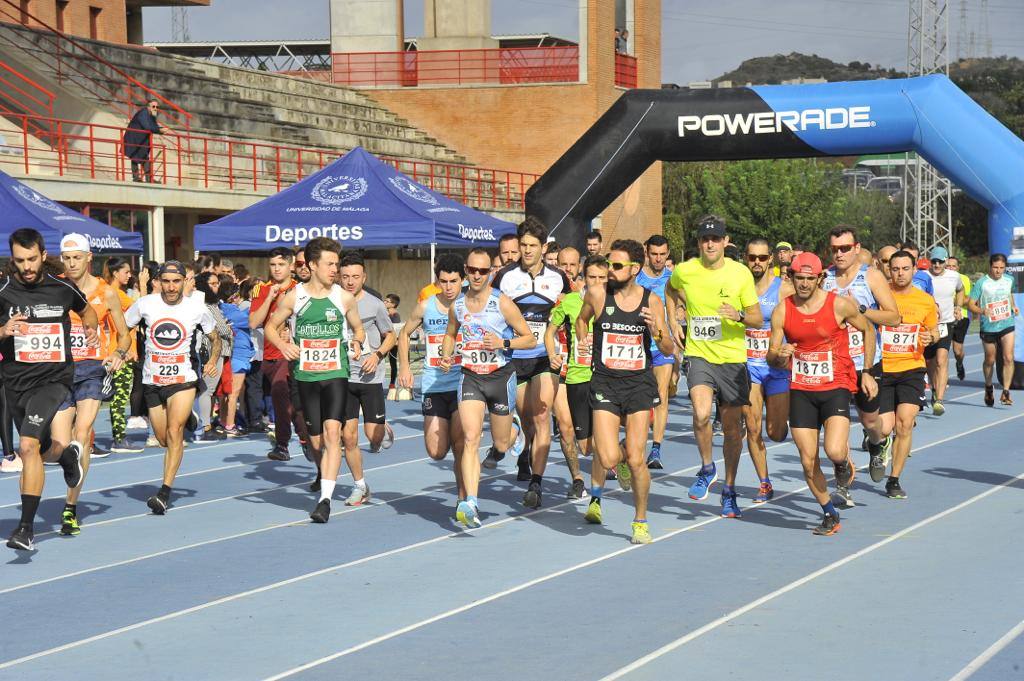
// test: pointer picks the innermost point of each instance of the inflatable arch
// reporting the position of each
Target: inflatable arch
(928, 115)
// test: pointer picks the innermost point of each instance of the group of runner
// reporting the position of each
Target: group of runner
(587, 347)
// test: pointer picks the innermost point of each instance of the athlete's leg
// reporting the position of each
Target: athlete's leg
(231, 408)
(806, 440)
(435, 436)
(158, 422)
(85, 418)
(702, 398)
(904, 418)
(837, 438)
(179, 408)
(777, 416)
(350, 442)
(458, 443)
(566, 432)
(540, 393)
(329, 445)
(989, 362)
(471, 415)
(1006, 342)
(938, 373)
(732, 446)
(663, 375)
(752, 414)
(636, 438)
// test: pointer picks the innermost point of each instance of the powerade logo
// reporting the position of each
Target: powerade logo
(476, 233)
(773, 122)
(300, 235)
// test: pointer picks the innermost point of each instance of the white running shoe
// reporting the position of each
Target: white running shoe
(389, 436)
(360, 495)
(10, 464)
(151, 441)
(137, 423)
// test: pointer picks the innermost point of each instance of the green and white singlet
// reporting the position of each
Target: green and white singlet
(318, 328)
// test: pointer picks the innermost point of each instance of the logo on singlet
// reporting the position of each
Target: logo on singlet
(168, 334)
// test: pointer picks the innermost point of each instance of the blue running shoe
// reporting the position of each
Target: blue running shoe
(730, 509)
(702, 485)
(654, 461)
(518, 438)
(764, 493)
(467, 514)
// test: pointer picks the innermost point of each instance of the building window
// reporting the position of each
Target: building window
(62, 6)
(94, 23)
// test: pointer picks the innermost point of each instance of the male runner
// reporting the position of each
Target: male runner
(275, 366)
(904, 348)
(783, 256)
(626, 319)
(959, 331)
(921, 278)
(848, 278)
(442, 427)
(551, 250)
(654, 276)
(37, 368)
(949, 296)
(593, 241)
(884, 254)
(992, 299)
(366, 384)
(487, 319)
(316, 312)
(508, 249)
(93, 363)
(721, 302)
(535, 288)
(169, 321)
(769, 386)
(810, 331)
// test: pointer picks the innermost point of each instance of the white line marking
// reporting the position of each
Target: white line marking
(990, 652)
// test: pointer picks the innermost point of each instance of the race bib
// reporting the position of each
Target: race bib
(584, 357)
(79, 346)
(538, 329)
(434, 341)
(900, 340)
(623, 351)
(40, 343)
(757, 343)
(998, 310)
(478, 359)
(856, 343)
(320, 354)
(812, 368)
(169, 369)
(943, 330)
(706, 328)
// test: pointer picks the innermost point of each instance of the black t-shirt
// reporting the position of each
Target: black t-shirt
(42, 355)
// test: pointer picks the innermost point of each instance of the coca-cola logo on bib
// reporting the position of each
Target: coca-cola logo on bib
(168, 334)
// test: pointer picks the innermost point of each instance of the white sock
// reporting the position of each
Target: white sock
(360, 483)
(326, 489)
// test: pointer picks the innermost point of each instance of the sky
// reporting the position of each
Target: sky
(701, 39)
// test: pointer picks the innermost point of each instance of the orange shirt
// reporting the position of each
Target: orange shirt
(104, 328)
(427, 291)
(902, 349)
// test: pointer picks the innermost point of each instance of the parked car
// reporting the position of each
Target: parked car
(892, 185)
(857, 179)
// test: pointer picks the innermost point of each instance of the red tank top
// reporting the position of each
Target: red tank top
(821, 360)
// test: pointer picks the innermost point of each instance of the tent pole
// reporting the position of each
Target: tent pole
(433, 254)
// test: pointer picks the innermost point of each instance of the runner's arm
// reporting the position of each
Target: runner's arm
(272, 327)
(974, 301)
(524, 339)
(779, 351)
(662, 338)
(594, 300)
(404, 341)
(261, 306)
(887, 312)
(675, 300)
(354, 321)
(124, 338)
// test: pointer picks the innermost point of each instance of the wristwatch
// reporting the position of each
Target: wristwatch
(862, 308)
(507, 344)
(380, 356)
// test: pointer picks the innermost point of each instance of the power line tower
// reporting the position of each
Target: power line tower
(985, 33)
(927, 209)
(179, 25)
(961, 33)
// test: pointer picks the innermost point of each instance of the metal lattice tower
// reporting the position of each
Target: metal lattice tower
(986, 33)
(927, 208)
(179, 25)
(961, 33)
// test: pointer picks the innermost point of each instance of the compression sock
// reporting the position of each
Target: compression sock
(165, 492)
(73, 508)
(536, 479)
(829, 509)
(29, 506)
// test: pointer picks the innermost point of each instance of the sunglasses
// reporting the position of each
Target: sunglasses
(479, 271)
(884, 261)
(621, 265)
(758, 258)
(845, 248)
(936, 261)
(300, 263)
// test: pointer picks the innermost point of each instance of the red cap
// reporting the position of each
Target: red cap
(805, 263)
(923, 263)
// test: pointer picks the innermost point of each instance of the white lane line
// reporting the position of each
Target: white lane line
(619, 552)
(420, 544)
(990, 652)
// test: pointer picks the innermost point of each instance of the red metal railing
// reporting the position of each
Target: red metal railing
(94, 151)
(625, 70)
(21, 95)
(70, 60)
(501, 66)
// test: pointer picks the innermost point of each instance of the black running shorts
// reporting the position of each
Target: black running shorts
(496, 389)
(441, 405)
(369, 397)
(323, 401)
(810, 409)
(33, 410)
(528, 368)
(942, 344)
(905, 387)
(864, 405)
(625, 395)
(578, 396)
(959, 330)
(995, 336)
(158, 395)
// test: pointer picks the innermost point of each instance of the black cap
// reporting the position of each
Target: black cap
(172, 267)
(711, 226)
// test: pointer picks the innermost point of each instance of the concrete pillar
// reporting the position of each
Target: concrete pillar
(584, 19)
(456, 25)
(133, 21)
(366, 26)
(157, 237)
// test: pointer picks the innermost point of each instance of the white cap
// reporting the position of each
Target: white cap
(75, 242)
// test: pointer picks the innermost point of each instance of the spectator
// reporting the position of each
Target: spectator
(117, 272)
(625, 41)
(254, 392)
(391, 303)
(594, 242)
(620, 42)
(241, 274)
(226, 267)
(208, 287)
(241, 354)
(138, 140)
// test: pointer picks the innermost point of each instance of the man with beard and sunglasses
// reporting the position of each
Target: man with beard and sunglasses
(721, 302)
(37, 368)
(865, 285)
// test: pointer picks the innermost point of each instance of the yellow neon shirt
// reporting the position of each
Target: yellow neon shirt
(705, 290)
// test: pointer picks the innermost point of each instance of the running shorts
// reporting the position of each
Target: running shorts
(730, 381)
(497, 389)
(959, 330)
(995, 336)
(323, 401)
(368, 396)
(864, 405)
(88, 383)
(771, 379)
(904, 387)
(158, 395)
(33, 410)
(810, 409)
(578, 396)
(942, 343)
(528, 368)
(624, 395)
(660, 360)
(441, 405)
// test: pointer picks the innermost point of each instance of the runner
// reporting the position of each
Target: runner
(959, 332)
(992, 299)
(921, 278)
(535, 288)
(442, 427)
(316, 311)
(884, 254)
(783, 256)
(904, 349)
(488, 319)
(283, 391)
(572, 403)
(949, 296)
(170, 322)
(508, 249)
(810, 331)
(769, 389)
(848, 278)
(654, 276)
(94, 364)
(366, 384)
(37, 368)
(625, 318)
(594, 241)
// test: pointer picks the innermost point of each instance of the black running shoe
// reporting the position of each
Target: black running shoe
(21, 538)
(157, 504)
(192, 425)
(322, 512)
(307, 451)
(893, 489)
(578, 491)
(315, 485)
(279, 454)
(490, 461)
(960, 373)
(829, 526)
(71, 461)
(844, 474)
(532, 497)
(523, 463)
(877, 465)
(990, 398)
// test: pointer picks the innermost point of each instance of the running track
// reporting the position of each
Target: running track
(235, 583)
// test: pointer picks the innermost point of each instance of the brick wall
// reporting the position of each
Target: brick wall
(111, 23)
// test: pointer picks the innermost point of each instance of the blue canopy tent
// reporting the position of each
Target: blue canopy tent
(359, 201)
(22, 206)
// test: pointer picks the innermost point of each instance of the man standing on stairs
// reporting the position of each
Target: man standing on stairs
(138, 140)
